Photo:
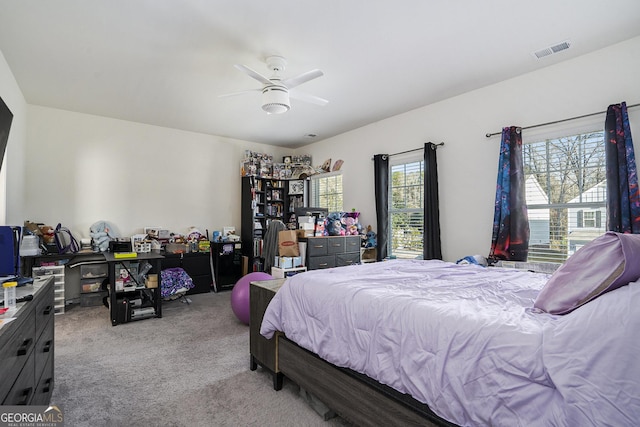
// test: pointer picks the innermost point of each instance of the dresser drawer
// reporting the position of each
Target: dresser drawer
(316, 263)
(349, 258)
(352, 243)
(317, 246)
(22, 390)
(44, 310)
(335, 245)
(197, 264)
(44, 349)
(44, 388)
(171, 261)
(15, 349)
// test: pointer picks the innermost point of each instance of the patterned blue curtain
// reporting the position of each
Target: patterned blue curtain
(510, 240)
(623, 197)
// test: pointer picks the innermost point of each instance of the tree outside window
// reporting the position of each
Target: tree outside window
(566, 194)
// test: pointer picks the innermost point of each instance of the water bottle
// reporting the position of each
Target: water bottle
(10, 294)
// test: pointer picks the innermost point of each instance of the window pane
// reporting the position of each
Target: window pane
(406, 212)
(327, 192)
(406, 234)
(566, 194)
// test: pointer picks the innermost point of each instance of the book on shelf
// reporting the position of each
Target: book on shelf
(258, 245)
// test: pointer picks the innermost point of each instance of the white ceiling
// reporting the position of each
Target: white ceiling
(165, 62)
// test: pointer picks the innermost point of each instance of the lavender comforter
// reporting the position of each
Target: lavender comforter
(466, 341)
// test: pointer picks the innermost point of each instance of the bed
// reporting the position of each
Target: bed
(452, 344)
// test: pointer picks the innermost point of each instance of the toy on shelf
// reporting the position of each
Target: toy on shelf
(371, 241)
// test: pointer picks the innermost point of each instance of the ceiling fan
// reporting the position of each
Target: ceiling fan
(277, 91)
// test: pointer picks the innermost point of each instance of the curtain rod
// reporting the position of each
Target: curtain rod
(489, 135)
(415, 149)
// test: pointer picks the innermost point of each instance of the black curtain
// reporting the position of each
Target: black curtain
(510, 240)
(623, 197)
(432, 248)
(381, 182)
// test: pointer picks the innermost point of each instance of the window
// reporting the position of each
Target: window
(589, 219)
(406, 209)
(326, 191)
(565, 194)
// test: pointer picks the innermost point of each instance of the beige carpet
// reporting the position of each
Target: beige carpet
(189, 368)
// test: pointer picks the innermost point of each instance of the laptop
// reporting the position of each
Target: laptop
(10, 237)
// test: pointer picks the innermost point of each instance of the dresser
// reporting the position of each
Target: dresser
(26, 347)
(332, 251)
(196, 264)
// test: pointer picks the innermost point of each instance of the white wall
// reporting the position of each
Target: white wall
(83, 169)
(12, 172)
(467, 164)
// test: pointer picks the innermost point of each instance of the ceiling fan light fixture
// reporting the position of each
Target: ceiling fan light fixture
(275, 100)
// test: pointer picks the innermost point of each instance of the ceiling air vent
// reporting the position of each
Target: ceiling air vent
(552, 49)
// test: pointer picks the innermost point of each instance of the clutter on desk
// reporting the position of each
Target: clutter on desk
(102, 233)
(40, 239)
(10, 294)
(30, 246)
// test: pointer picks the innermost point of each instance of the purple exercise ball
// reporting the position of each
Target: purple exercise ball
(240, 294)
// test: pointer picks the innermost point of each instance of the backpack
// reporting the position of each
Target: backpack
(65, 241)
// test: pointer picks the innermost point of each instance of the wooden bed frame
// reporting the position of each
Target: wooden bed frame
(353, 396)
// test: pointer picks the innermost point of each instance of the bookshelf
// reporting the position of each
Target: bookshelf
(265, 200)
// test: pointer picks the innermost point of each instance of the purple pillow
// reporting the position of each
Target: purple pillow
(602, 265)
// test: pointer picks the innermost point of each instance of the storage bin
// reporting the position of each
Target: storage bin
(91, 286)
(90, 271)
(92, 299)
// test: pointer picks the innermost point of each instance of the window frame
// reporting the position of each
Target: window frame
(316, 197)
(395, 161)
(557, 132)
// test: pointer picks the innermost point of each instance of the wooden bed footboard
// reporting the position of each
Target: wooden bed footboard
(348, 394)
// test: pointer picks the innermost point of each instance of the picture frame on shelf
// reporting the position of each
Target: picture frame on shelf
(296, 187)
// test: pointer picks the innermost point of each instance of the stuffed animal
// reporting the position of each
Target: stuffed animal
(372, 240)
(350, 226)
(333, 225)
(101, 234)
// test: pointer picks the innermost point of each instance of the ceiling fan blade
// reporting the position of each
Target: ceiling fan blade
(225, 95)
(301, 96)
(259, 77)
(302, 78)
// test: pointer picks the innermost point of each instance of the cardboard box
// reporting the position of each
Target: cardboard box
(307, 219)
(284, 262)
(305, 233)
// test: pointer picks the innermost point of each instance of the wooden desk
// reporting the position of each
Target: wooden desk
(264, 352)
